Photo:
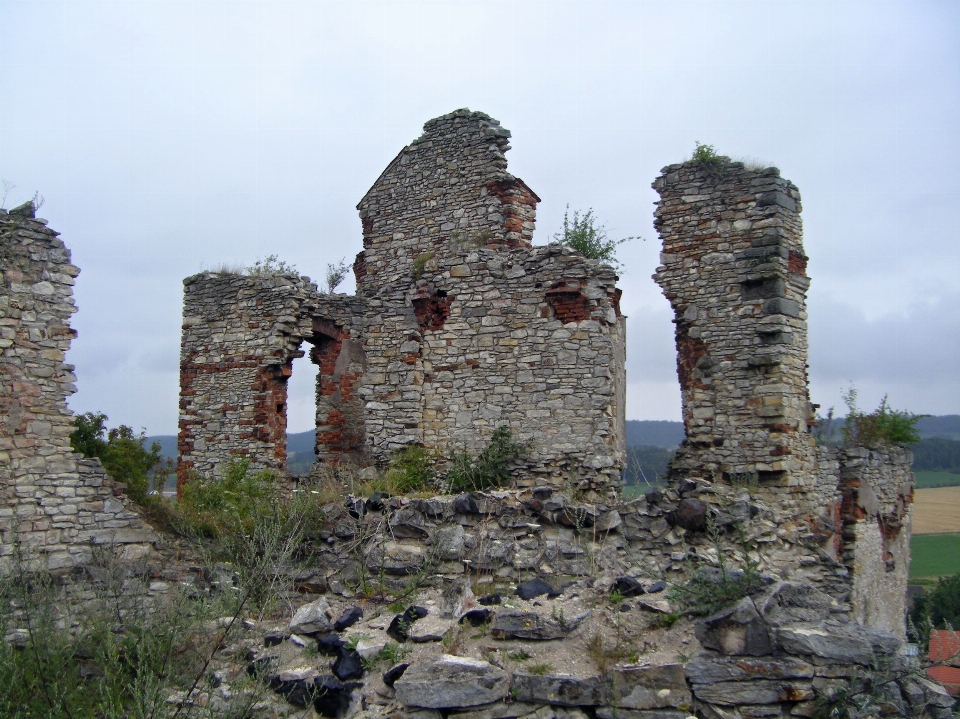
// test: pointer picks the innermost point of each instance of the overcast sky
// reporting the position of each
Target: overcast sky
(168, 137)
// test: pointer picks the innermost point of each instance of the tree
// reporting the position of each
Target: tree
(584, 235)
(123, 454)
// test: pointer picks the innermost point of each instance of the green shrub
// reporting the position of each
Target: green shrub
(411, 470)
(489, 468)
(584, 235)
(939, 609)
(214, 506)
(883, 426)
(270, 266)
(123, 454)
(707, 157)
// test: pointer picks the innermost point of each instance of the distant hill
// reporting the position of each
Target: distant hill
(945, 426)
(654, 433)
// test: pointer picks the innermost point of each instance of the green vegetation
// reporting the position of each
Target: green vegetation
(270, 266)
(335, 275)
(123, 454)
(883, 426)
(584, 235)
(936, 609)
(489, 468)
(420, 264)
(931, 479)
(707, 158)
(647, 465)
(411, 470)
(934, 555)
(937, 453)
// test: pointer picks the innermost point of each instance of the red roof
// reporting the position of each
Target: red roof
(948, 676)
(945, 647)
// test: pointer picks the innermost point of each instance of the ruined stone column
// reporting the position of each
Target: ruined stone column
(240, 337)
(57, 504)
(734, 271)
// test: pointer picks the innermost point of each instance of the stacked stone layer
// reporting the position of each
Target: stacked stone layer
(55, 504)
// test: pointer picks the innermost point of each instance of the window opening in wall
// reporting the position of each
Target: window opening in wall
(301, 408)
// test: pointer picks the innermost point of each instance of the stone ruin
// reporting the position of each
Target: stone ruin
(54, 504)
(458, 325)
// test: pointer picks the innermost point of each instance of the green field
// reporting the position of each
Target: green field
(936, 478)
(934, 555)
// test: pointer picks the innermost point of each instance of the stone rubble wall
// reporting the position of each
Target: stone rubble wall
(734, 271)
(55, 504)
(459, 325)
(876, 509)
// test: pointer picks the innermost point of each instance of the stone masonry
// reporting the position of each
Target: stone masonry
(734, 271)
(54, 503)
(458, 325)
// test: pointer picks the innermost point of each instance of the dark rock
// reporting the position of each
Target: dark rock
(543, 493)
(331, 696)
(624, 607)
(628, 587)
(348, 619)
(449, 682)
(376, 501)
(515, 624)
(465, 504)
(736, 630)
(534, 505)
(657, 586)
(490, 599)
(262, 666)
(329, 644)
(686, 485)
(477, 617)
(391, 675)
(407, 522)
(533, 588)
(274, 638)
(348, 665)
(653, 496)
(691, 514)
(560, 690)
(577, 516)
(298, 692)
(399, 627)
(356, 507)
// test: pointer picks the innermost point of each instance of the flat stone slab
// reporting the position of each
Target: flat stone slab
(825, 643)
(650, 687)
(516, 624)
(429, 629)
(449, 682)
(757, 691)
(709, 671)
(560, 689)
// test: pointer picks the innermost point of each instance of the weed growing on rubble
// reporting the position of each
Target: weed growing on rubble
(270, 266)
(420, 264)
(411, 470)
(336, 273)
(707, 158)
(710, 589)
(882, 426)
(99, 646)
(586, 236)
(489, 468)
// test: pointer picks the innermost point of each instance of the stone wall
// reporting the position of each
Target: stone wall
(54, 504)
(877, 505)
(459, 325)
(734, 271)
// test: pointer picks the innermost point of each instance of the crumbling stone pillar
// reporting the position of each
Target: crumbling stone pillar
(54, 503)
(734, 271)
(240, 337)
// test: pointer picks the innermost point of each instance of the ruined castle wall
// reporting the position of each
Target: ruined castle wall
(876, 509)
(55, 503)
(734, 271)
(467, 325)
(532, 338)
(240, 337)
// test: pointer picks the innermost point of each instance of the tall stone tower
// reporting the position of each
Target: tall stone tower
(734, 271)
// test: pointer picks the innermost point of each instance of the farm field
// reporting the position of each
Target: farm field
(936, 478)
(936, 511)
(934, 555)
